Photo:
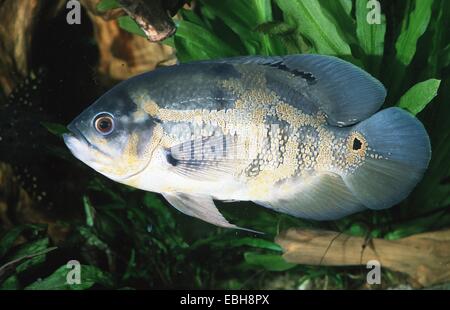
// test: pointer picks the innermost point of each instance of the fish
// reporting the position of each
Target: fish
(299, 134)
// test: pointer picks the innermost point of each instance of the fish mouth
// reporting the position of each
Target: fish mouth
(75, 133)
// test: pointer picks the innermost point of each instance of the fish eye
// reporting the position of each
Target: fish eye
(104, 123)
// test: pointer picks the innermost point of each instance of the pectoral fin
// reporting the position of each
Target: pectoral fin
(201, 207)
(206, 158)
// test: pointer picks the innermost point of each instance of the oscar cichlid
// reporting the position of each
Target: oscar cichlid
(298, 134)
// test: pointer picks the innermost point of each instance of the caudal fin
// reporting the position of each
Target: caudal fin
(398, 153)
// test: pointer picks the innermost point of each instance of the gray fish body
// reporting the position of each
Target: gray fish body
(298, 134)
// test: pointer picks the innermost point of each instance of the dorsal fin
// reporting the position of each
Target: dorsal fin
(346, 93)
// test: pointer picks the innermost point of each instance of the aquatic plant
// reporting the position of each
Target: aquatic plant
(130, 239)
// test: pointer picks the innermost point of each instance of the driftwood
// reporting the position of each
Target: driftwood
(154, 17)
(122, 54)
(17, 21)
(425, 258)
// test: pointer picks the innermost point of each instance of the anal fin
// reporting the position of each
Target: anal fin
(321, 197)
(201, 207)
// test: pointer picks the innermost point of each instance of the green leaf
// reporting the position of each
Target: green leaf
(275, 28)
(128, 24)
(89, 211)
(438, 33)
(93, 239)
(160, 211)
(403, 233)
(357, 229)
(8, 239)
(340, 13)
(270, 262)
(11, 283)
(313, 23)
(106, 5)
(54, 128)
(197, 43)
(415, 22)
(446, 56)
(418, 96)
(31, 249)
(131, 267)
(169, 41)
(370, 36)
(243, 17)
(89, 276)
(413, 27)
(257, 243)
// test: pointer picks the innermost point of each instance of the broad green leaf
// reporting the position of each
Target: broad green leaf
(8, 239)
(31, 250)
(357, 229)
(339, 11)
(285, 32)
(11, 283)
(128, 24)
(131, 267)
(196, 43)
(370, 36)
(432, 193)
(446, 56)
(243, 17)
(106, 5)
(89, 276)
(413, 27)
(313, 23)
(339, 7)
(404, 232)
(257, 243)
(93, 239)
(160, 210)
(275, 28)
(89, 211)
(169, 41)
(414, 24)
(438, 37)
(271, 262)
(98, 185)
(418, 96)
(54, 128)
(192, 17)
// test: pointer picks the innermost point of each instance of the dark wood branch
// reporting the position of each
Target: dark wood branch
(153, 16)
(123, 54)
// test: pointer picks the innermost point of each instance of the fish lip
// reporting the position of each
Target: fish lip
(77, 134)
